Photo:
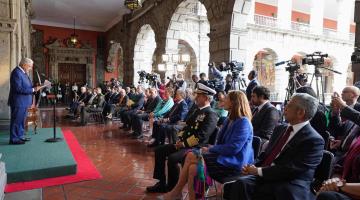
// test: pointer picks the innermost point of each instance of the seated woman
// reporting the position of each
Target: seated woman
(232, 151)
(218, 107)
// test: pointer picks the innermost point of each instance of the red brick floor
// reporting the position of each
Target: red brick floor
(125, 164)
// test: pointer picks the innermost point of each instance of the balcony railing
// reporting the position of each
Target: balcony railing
(330, 32)
(265, 20)
(301, 27)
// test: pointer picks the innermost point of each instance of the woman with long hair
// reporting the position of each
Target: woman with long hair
(232, 151)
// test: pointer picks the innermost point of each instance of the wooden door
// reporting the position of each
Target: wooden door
(71, 73)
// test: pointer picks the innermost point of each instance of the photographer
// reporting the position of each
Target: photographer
(218, 81)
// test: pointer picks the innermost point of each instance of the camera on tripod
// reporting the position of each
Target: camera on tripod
(355, 57)
(148, 77)
(317, 58)
(292, 67)
(231, 66)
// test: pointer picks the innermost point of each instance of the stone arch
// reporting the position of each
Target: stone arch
(144, 49)
(191, 67)
(189, 23)
(115, 60)
(264, 64)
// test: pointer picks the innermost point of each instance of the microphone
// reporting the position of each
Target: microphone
(280, 63)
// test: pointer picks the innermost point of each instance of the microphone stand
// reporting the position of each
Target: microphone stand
(54, 138)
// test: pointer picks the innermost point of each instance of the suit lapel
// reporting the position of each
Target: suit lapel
(300, 136)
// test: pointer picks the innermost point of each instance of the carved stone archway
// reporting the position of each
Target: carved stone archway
(60, 54)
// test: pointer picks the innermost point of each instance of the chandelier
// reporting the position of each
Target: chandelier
(133, 4)
(73, 37)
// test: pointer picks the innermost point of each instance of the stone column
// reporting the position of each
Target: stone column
(250, 18)
(343, 18)
(14, 43)
(284, 14)
(317, 16)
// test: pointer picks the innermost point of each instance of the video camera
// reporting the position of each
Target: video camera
(231, 66)
(355, 57)
(292, 66)
(150, 78)
(317, 58)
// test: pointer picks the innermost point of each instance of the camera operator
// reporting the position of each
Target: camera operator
(252, 84)
(218, 80)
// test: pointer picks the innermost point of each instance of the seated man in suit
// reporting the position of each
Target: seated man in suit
(97, 105)
(162, 125)
(340, 127)
(286, 169)
(265, 115)
(138, 103)
(199, 126)
(137, 118)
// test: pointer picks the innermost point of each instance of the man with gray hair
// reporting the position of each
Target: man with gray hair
(286, 168)
(20, 99)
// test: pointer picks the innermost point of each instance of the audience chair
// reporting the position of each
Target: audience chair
(256, 144)
(323, 171)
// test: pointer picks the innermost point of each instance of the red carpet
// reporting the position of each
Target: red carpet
(85, 169)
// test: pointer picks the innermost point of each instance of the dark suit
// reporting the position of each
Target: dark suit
(265, 120)
(177, 113)
(340, 127)
(139, 118)
(206, 123)
(96, 106)
(253, 83)
(126, 115)
(20, 99)
(319, 121)
(291, 173)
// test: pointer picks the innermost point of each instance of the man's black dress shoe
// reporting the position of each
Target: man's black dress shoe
(17, 142)
(25, 139)
(154, 144)
(157, 188)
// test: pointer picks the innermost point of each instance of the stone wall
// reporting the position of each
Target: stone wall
(227, 28)
(14, 43)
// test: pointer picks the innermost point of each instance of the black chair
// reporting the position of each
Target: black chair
(256, 144)
(213, 136)
(326, 137)
(323, 171)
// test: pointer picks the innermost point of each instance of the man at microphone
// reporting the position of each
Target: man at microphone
(20, 99)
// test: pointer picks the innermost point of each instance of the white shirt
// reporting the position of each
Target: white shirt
(296, 128)
(204, 107)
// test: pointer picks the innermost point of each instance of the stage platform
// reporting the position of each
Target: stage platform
(37, 159)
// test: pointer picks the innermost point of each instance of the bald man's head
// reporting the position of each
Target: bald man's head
(350, 94)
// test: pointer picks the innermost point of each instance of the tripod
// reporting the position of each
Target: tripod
(291, 87)
(320, 83)
(238, 83)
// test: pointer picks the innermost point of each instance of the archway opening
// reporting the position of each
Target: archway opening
(189, 25)
(144, 49)
(264, 64)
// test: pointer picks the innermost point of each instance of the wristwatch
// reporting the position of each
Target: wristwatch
(340, 184)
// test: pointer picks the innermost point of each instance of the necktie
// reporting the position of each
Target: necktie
(256, 110)
(277, 148)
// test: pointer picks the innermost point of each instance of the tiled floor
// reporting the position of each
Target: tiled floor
(125, 164)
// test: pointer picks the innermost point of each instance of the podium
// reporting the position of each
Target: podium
(54, 138)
